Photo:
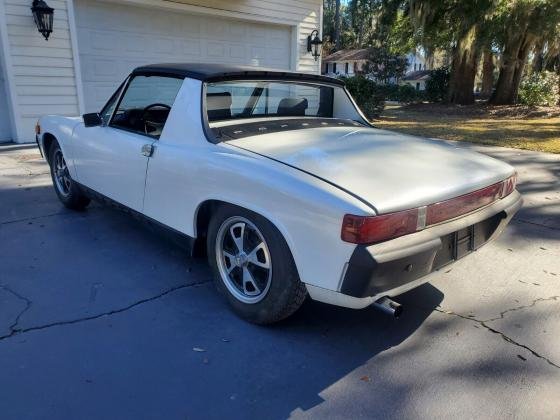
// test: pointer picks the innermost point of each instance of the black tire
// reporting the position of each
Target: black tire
(286, 292)
(68, 191)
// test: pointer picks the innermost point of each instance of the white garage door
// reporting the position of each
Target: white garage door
(5, 131)
(113, 39)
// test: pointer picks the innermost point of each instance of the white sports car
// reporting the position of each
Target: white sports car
(293, 192)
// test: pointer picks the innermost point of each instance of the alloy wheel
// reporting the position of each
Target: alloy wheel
(244, 260)
(61, 175)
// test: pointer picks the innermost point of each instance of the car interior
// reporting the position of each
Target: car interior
(218, 105)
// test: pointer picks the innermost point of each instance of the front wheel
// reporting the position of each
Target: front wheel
(68, 192)
(253, 266)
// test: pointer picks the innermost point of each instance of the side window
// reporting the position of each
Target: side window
(146, 103)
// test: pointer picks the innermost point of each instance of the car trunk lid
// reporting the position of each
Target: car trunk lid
(390, 171)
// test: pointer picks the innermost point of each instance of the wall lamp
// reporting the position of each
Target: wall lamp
(314, 44)
(43, 17)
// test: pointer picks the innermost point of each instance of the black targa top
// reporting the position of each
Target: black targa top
(208, 72)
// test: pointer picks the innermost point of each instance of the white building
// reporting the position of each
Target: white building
(95, 44)
(350, 62)
(345, 62)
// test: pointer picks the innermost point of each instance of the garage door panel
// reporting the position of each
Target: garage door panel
(113, 39)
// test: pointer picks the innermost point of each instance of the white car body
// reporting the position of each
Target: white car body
(303, 181)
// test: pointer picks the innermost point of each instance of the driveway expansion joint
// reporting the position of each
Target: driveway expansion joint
(504, 336)
(15, 332)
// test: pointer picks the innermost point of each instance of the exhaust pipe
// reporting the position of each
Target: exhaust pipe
(388, 306)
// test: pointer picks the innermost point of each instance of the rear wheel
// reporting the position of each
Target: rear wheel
(67, 190)
(253, 266)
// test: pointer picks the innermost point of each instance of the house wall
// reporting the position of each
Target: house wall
(341, 67)
(5, 114)
(416, 62)
(416, 84)
(306, 15)
(45, 77)
(41, 75)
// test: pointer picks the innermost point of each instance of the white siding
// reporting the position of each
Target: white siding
(42, 72)
(5, 129)
(305, 13)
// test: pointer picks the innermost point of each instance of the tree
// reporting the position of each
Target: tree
(523, 23)
(461, 26)
(487, 72)
(337, 24)
(384, 66)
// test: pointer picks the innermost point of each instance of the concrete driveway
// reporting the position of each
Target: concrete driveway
(102, 318)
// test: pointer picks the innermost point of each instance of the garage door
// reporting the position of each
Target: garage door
(113, 39)
(5, 131)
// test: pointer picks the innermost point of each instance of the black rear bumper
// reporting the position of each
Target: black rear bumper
(371, 272)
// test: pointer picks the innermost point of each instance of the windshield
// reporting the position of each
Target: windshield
(232, 100)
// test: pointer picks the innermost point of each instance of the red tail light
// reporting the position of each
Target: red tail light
(508, 186)
(372, 229)
(449, 209)
(369, 229)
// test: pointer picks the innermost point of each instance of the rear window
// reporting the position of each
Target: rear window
(257, 99)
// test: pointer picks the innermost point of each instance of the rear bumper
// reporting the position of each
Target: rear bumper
(393, 267)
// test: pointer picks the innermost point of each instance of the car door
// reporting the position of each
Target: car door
(112, 158)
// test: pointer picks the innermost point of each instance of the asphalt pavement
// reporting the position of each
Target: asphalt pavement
(101, 317)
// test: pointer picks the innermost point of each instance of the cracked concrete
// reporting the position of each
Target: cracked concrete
(99, 316)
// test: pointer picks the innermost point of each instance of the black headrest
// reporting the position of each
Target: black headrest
(218, 106)
(292, 107)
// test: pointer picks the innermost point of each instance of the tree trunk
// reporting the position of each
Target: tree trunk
(538, 57)
(463, 69)
(487, 74)
(511, 70)
(337, 25)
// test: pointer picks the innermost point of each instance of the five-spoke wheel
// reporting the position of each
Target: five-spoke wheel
(253, 265)
(243, 259)
(61, 175)
(68, 191)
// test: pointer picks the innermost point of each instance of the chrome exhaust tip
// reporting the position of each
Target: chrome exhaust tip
(388, 306)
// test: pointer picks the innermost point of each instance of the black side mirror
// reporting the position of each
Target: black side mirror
(92, 120)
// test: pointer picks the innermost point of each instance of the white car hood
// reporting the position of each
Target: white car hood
(390, 171)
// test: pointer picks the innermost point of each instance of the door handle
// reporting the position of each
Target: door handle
(148, 150)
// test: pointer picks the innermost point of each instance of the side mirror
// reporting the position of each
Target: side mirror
(92, 120)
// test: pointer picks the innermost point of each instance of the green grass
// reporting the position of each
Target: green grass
(540, 133)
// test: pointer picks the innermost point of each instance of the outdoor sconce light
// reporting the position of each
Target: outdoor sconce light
(43, 17)
(313, 44)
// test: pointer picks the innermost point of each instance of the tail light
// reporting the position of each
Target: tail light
(509, 185)
(369, 229)
(373, 229)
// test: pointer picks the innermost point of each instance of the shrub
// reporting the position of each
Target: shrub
(405, 94)
(391, 92)
(408, 94)
(369, 96)
(437, 85)
(539, 89)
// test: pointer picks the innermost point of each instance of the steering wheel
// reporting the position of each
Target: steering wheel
(155, 124)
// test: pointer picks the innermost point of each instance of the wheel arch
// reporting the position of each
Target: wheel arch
(207, 207)
(48, 141)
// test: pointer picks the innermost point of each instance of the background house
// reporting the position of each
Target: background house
(345, 62)
(416, 79)
(96, 43)
(351, 62)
